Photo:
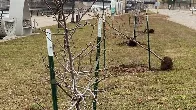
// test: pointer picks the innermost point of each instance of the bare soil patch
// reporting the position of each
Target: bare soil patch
(131, 68)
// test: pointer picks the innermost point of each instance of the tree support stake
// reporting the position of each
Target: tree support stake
(51, 67)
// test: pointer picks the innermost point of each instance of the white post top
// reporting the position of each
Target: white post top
(100, 22)
(104, 17)
(147, 17)
(49, 42)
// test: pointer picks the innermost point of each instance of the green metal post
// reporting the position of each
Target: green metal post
(104, 37)
(149, 62)
(129, 20)
(134, 28)
(51, 67)
(146, 11)
(97, 66)
(104, 47)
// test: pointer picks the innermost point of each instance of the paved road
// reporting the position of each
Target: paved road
(180, 16)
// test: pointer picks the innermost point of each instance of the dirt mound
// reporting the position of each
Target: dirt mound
(132, 68)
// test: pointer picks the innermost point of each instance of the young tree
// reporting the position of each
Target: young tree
(74, 79)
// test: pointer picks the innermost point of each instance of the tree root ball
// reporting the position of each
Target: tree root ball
(166, 63)
(132, 43)
(151, 30)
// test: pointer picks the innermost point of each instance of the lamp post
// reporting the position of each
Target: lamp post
(73, 11)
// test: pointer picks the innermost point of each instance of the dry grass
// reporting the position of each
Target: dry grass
(24, 77)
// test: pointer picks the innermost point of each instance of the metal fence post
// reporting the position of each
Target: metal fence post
(97, 63)
(51, 67)
(149, 62)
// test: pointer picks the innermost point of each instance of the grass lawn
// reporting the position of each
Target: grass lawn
(25, 80)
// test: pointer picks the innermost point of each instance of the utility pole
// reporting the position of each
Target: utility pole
(73, 11)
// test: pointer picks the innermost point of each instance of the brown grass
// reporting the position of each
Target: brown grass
(24, 77)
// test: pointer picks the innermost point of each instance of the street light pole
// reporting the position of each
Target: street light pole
(73, 11)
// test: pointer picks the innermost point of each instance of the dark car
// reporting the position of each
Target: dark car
(130, 5)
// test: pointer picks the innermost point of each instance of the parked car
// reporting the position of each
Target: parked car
(130, 5)
(149, 1)
(135, 4)
(98, 6)
(193, 9)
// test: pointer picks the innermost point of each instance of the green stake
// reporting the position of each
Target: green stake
(51, 67)
(149, 64)
(129, 20)
(97, 62)
(103, 16)
(134, 28)
(104, 43)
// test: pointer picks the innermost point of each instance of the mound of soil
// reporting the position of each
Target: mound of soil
(124, 43)
(132, 68)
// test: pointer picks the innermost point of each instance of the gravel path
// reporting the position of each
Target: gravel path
(185, 18)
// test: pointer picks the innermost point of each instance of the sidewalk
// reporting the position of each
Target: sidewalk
(185, 18)
(43, 21)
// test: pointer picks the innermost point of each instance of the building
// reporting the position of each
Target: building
(4, 3)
